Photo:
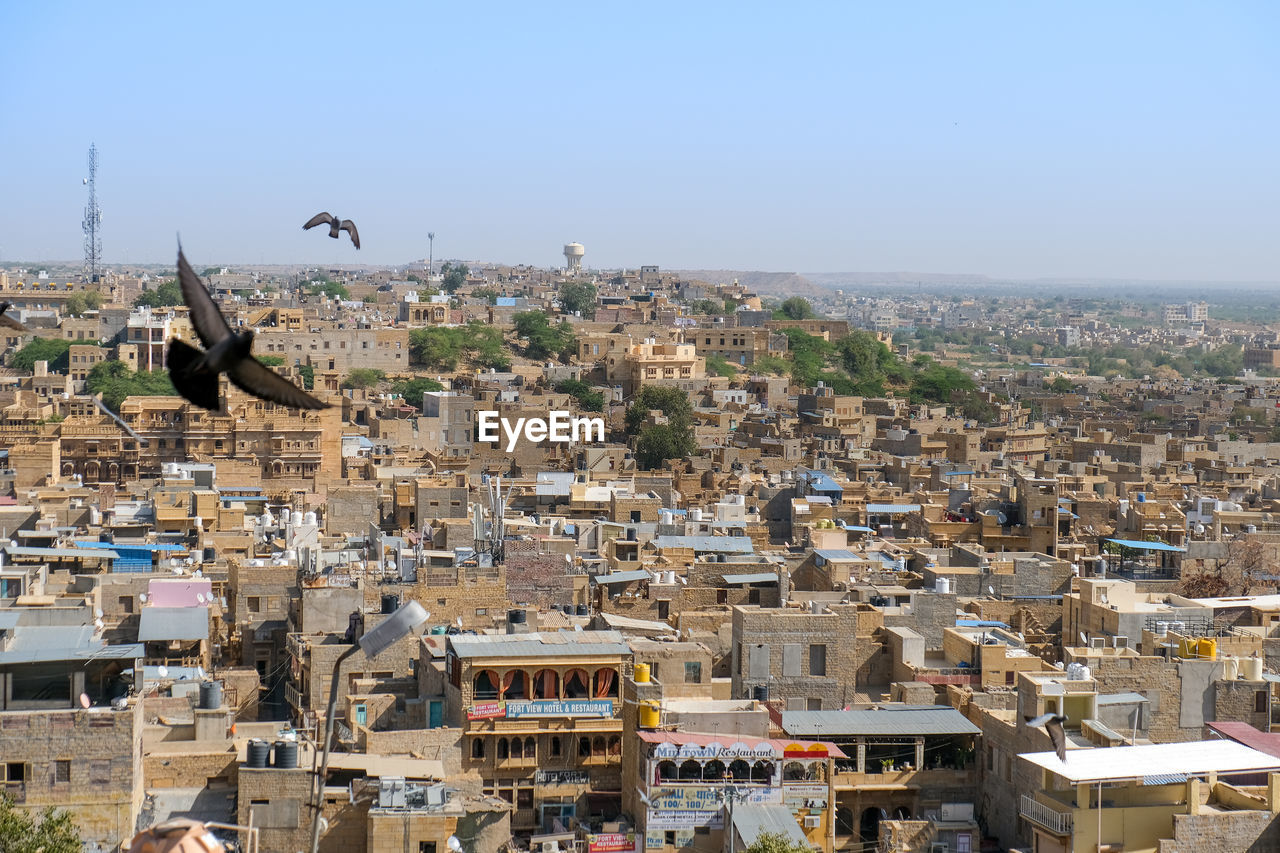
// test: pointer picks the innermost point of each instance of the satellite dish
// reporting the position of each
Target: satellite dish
(454, 844)
(97, 612)
(199, 598)
(142, 596)
(991, 589)
(162, 671)
(459, 621)
(1084, 641)
(98, 624)
(1002, 518)
(84, 701)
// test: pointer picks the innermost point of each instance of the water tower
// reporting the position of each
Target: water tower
(573, 253)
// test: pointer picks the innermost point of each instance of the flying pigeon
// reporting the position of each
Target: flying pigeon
(195, 373)
(1052, 724)
(124, 426)
(6, 320)
(335, 225)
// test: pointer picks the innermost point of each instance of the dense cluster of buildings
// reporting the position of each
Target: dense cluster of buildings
(829, 622)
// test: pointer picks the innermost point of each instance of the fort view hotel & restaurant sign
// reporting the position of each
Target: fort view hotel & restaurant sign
(516, 709)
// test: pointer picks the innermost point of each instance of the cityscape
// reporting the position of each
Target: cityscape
(378, 513)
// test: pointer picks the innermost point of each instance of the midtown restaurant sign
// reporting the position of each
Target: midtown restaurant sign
(513, 709)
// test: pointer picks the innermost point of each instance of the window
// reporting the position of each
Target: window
(255, 604)
(524, 798)
(1260, 701)
(477, 748)
(1008, 677)
(664, 608)
(692, 672)
(818, 659)
(61, 772)
(555, 747)
(14, 771)
(426, 847)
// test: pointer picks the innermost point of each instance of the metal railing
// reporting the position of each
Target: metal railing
(1051, 819)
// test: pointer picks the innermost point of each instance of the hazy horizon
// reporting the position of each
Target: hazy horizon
(1009, 141)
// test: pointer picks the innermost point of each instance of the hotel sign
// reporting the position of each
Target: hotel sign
(560, 708)
(560, 777)
(487, 711)
(612, 842)
(666, 819)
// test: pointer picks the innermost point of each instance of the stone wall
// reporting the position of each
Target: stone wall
(1227, 832)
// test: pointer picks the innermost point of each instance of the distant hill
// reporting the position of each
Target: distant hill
(763, 283)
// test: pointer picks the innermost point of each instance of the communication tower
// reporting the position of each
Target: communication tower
(92, 221)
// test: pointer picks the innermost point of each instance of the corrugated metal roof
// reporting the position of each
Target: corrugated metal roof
(751, 821)
(132, 546)
(884, 721)
(173, 623)
(540, 644)
(836, 553)
(623, 577)
(1121, 698)
(721, 544)
(754, 577)
(1123, 763)
(43, 643)
(888, 509)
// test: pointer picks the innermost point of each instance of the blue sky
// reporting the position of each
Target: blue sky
(1134, 140)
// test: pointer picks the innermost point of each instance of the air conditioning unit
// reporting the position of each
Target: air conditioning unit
(940, 847)
(1098, 642)
(1120, 642)
(812, 821)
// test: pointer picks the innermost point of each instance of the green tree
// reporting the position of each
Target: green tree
(52, 350)
(363, 377)
(937, 383)
(115, 382)
(168, 293)
(796, 308)
(543, 339)
(454, 276)
(667, 399)
(51, 831)
(270, 360)
(1061, 385)
(308, 374)
(773, 842)
(413, 389)
(718, 365)
(705, 306)
(771, 364)
(588, 399)
(332, 289)
(578, 297)
(488, 294)
(83, 300)
(660, 442)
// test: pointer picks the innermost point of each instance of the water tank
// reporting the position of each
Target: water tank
(296, 518)
(695, 515)
(1251, 668)
(259, 753)
(1187, 648)
(1162, 629)
(1207, 649)
(286, 755)
(1085, 673)
(1142, 497)
(665, 517)
(642, 673)
(760, 693)
(650, 717)
(438, 630)
(1230, 668)
(210, 695)
(940, 585)
(309, 518)
(390, 603)
(582, 610)
(515, 617)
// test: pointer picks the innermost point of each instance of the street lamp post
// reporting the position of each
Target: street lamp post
(399, 624)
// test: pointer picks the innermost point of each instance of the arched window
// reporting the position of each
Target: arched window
(740, 770)
(691, 770)
(555, 746)
(546, 684)
(615, 745)
(597, 746)
(477, 748)
(762, 771)
(606, 684)
(666, 770)
(530, 747)
(584, 747)
(713, 770)
(485, 686)
(517, 748)
(515, 684)
(576, 684)
(503, 748)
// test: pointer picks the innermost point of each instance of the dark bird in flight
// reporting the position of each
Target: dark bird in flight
(6, 320)
(1052, 724)
(124, 426)
(335, 225)
(195, 373)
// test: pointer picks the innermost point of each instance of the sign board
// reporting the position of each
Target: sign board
(560, 777)
(612, 842)
(486, 710)
(559, 708)
(809, 796)
(666, 819)
(706, 797)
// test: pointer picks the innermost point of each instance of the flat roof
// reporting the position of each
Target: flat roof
(61, 553)
(623, 577)
(912, 720)
(539, 644)
(1164, 761)
(174, 623)
(890, 509)
(755, 577)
